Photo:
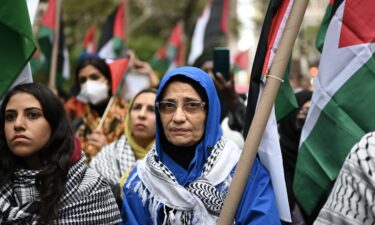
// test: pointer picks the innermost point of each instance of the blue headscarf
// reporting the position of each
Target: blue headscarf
(212, 128)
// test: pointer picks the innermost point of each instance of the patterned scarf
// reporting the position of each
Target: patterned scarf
(352, 199)
(198, 203)
(113, 160)
(113, 125)
(87, 199)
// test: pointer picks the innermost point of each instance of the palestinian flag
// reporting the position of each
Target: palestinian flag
(269, 149)
(118, 68)
(45, 40)
(342, 109)
(160, 61)
(319, 42)
(171, 55)
(17, 44)
(37, 62)
(210, 28)
(113, 36)
(89, 46)
(241, 71)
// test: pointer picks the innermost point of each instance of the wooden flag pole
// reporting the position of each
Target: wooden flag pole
(109, 105)
(262, 112)
(55, 48)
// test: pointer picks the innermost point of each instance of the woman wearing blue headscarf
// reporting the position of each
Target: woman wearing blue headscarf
(186, 175)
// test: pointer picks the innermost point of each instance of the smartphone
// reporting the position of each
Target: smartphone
(222, 62)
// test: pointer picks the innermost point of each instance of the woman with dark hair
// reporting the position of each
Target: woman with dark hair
(94, 84)
(185, 176)
(114, 161)
(43, 177)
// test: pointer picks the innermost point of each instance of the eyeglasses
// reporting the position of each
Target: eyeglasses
(190, 107)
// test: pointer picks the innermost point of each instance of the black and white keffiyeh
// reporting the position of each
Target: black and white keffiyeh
(352, 199)
(87, 199)
(198, 203)
(113, 160)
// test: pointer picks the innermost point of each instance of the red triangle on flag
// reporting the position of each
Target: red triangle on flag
(358, 23)
(118, 68)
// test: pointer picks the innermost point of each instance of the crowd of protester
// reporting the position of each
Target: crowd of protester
(163, 157)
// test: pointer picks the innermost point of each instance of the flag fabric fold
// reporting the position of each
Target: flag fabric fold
(269, 150)
(210, 28)
(17, 44)
(89, 45)
(113, 35)
(342, 108)
(45, 39)
(319, 42)
(118, 68)
(172, 54)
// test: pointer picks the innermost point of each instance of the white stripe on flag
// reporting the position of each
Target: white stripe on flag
(280, 31)
(197, 42)
(107, 52)
(32, 6)
(23, 78)
(337, 65)
(270, 155)
(66, 65)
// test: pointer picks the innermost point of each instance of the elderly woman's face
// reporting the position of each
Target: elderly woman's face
(142, 117)
(182, 114)
(26, 129)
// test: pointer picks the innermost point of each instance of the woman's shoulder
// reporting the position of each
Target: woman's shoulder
(362, 155)
(82, 178)
(86, 192)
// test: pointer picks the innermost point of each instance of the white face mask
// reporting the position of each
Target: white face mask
(93, 92)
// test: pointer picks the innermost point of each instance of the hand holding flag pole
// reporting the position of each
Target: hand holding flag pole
(262, 113)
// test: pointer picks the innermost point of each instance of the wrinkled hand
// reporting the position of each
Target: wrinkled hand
(226, 90)
(97, 138)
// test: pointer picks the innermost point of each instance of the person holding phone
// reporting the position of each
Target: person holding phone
(216, 63)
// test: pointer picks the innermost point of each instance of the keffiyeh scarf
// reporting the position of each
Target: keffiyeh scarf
(113, 126)
(352, 199)
(87, 199)
(113, 160)
(200, 202)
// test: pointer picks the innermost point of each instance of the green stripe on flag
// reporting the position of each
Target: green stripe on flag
(118, 45)
(319, 42)
(343, 121)
(17, 43)
(286, 100)
(45, 37)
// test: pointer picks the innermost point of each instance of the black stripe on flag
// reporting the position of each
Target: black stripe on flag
(256, 71)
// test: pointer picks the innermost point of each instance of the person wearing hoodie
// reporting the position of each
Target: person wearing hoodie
(185, 176)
